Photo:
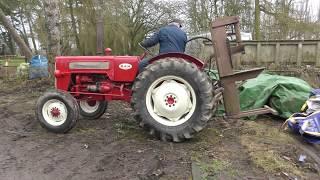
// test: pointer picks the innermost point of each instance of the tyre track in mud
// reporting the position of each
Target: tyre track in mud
(31, 152)
(112, 147)
(311, 150)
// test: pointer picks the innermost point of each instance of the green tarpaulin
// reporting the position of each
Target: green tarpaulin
(284, 94)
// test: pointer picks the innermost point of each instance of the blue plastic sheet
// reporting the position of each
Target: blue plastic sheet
(308, 126)
(307, 122)
(38, 67)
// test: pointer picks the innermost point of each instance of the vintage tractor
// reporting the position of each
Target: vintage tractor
(172, 98)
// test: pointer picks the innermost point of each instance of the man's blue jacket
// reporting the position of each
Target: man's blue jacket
(171, 39)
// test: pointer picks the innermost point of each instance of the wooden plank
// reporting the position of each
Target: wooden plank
(225, 21)
(221, 51)
(243, 75)
(237, 49)
(196, 171)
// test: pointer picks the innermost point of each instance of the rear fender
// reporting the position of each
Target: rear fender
(183, 56)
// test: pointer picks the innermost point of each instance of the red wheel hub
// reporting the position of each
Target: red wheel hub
(55, 112)
(91, 103)
(170, 100)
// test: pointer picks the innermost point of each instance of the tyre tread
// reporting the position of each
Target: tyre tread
(206, 96)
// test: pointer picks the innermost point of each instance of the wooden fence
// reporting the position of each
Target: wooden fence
(9, 64)
(278, 52)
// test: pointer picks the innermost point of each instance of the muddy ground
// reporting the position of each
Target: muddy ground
(115, 147)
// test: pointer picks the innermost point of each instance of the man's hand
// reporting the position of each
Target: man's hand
(145, 49)
(151, 41)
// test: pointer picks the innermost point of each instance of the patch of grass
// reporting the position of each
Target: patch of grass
(203, 142)
(33, 87)
(214, 168)
(264, 145)
(12, 62)
(195, 156)
(271, 162)
(211, 167)
(233, 172)
(209, 134)
(86, 130)
(130, 129)
(206, 138)
(9, 84)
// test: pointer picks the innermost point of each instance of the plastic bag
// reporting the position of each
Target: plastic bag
(38, 67)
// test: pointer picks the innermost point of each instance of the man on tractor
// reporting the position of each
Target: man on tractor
(171, 39)
(172, 98)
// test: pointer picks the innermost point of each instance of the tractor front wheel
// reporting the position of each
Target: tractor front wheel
(57, 111)
(92, 109)
(173, 99)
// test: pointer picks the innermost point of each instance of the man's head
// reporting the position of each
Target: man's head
(176, 22)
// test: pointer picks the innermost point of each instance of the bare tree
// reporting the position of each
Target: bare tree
(51, 8)
(74, 25)
(13, 33)
(257, 20)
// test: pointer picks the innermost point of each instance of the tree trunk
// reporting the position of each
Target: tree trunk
(100, 35)
(74, 26)
(8, 41)
(80, 30)
(100, 28)
(51, 8)
(216, 13)
(13, 33)
(257, 20)
(11, 45)
(24, 32)
(32, 35)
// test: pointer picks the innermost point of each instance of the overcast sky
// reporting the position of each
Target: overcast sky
(315, 2)
(315, 6)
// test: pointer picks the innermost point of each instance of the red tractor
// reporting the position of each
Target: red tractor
(172, 98)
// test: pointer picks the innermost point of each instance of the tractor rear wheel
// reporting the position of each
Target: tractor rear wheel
(57, 111)
(173, 99)
(92, 109)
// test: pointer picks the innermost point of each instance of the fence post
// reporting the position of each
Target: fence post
(277, 54)
(236, 61)
(299, 56)
(258, 53)
(318, 55)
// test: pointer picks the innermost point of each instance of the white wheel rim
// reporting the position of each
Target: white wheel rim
(171, 100)
(86, 107)
(54, 112)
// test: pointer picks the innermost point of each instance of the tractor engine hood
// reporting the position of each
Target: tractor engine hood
(116, 68)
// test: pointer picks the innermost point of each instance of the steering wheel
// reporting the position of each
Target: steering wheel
(200, 37)
(194, 50)
(146, 51)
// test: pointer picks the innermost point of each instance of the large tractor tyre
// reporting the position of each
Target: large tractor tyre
(57, 111)
(92, 109)
(173, 99)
